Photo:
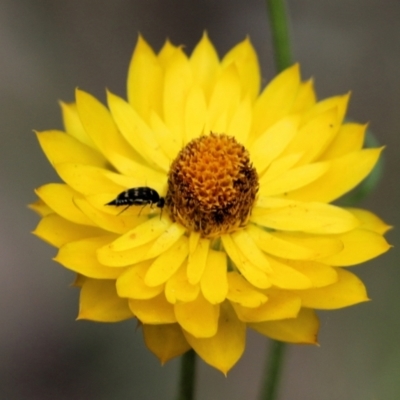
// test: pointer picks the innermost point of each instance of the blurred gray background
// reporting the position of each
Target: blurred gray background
(47, 49)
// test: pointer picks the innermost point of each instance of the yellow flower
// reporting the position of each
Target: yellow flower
(243, 235)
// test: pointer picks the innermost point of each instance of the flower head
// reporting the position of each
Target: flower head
(226, 222)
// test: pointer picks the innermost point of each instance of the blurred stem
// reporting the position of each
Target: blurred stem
(273, 371)
(188, 369)
(278, 19)
(277, 14)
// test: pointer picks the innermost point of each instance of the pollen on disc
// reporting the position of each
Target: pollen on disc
(212, 185)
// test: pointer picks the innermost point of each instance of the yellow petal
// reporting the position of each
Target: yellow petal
(225, 348)
(319, 274)
(272, 142)
(204, 63)
(144, 80)
(60, 198)
(60, 148)
(131, 283)
(140, 173)
(279, 167)
(241, 292)
(240, 124)
(250, 250)
(95, 209)
(86, 179)
(280, 305)
(144, 233)
(359, 245)
(101, 128)
(337, 180)
(197, 260)
(294, 179)
(286, 277)
(156, 310)
(166, 264)
(99, 302)
(288, 215)
(58, 231)
(214, 282)
(225, 98)
(179, 289)
(195, 114)
(136, 132)
(254, 275)
(349, 139)
(123, 258)
(73, 125)
(109, 257)
(303, 329)
(178, 79)
(315, 136)
(276, 99)
(168, 142)
(369, 221)
(338, 102)
(305, 97)
(167, 53)
(294, 246)
(80, 256)
(198, 317)
(41, 208)
(244, 57)
(170, 236)
(165, 341)
(348, 290)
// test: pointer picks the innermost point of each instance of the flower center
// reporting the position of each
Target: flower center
(212, 185)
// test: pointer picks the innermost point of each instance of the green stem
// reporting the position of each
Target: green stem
(188, 369)
(278, 19)
(280, 33)
(274, 370)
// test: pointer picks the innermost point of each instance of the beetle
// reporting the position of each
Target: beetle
(139, 196)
